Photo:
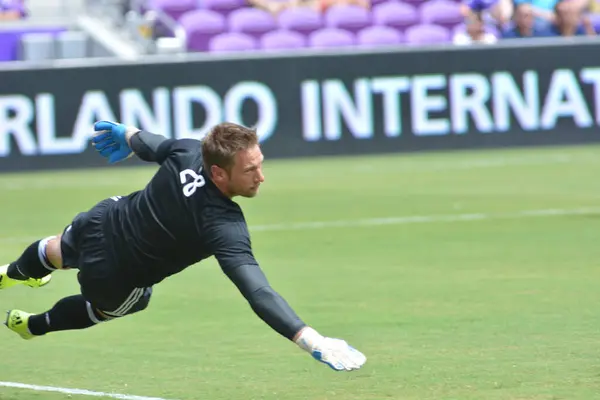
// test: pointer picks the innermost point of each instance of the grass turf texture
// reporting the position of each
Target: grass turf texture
(491, 309)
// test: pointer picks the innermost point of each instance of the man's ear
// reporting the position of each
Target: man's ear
(218, 174)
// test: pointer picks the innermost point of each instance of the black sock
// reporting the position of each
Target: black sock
(70, 313)
(33, 263)
(14, 272)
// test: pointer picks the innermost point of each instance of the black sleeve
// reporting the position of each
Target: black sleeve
(264, 301)
(150, 146)
(234, 254)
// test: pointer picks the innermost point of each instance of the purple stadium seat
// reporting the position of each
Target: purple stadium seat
(301, 19)
(173, 8)
(396, 15)
(350, 18)
(426, 34)
(251, 21)
(378, 36)
(232, 42)
(8, 46)
(441, 12)
(282, 40)
(201, 26)
(331, 38)
(224, 7)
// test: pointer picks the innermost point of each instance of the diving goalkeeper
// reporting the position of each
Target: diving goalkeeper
(124, 245)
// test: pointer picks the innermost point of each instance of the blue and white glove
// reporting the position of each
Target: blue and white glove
(110, 140)
(335, 353)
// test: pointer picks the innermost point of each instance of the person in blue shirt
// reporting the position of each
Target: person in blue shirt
(524, 24)
(543, 10)
(568, 21)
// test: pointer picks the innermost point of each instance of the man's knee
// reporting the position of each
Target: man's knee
(53, 251)
(128, 308)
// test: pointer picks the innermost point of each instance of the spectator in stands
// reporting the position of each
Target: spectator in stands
(569, 21)
(524, 24)
(11, 10)
(475, 32)
(277, 6)
(587, 8)
(543, 10)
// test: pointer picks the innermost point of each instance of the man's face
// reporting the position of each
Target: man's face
(246, 174)
(524, 17)
(566, 14)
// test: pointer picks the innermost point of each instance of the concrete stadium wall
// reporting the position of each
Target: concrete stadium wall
(520, 93)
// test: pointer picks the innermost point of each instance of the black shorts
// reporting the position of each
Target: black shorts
(103, 284)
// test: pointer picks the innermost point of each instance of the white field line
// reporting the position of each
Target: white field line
(374, 222)
(28, 183)
(492, 162)
(80, 392)
(424, 219)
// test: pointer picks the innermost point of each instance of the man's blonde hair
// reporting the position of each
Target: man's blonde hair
(222, 143)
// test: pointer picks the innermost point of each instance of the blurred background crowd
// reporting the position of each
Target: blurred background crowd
(152, 26)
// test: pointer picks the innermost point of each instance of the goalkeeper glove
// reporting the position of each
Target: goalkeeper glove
(110, 140)
(335, 353)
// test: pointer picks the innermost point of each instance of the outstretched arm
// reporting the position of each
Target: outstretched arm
(236, 260)
(276, 312)
(117, 142)
(266, 302)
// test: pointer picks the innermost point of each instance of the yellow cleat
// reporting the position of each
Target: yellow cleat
(6, 282)
(18, 321)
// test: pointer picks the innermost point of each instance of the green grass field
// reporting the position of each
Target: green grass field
(504, 305)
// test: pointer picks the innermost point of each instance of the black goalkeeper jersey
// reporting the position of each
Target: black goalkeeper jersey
(181, 218)
(178, 219)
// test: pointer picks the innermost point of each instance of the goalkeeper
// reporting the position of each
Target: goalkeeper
(123, 246)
